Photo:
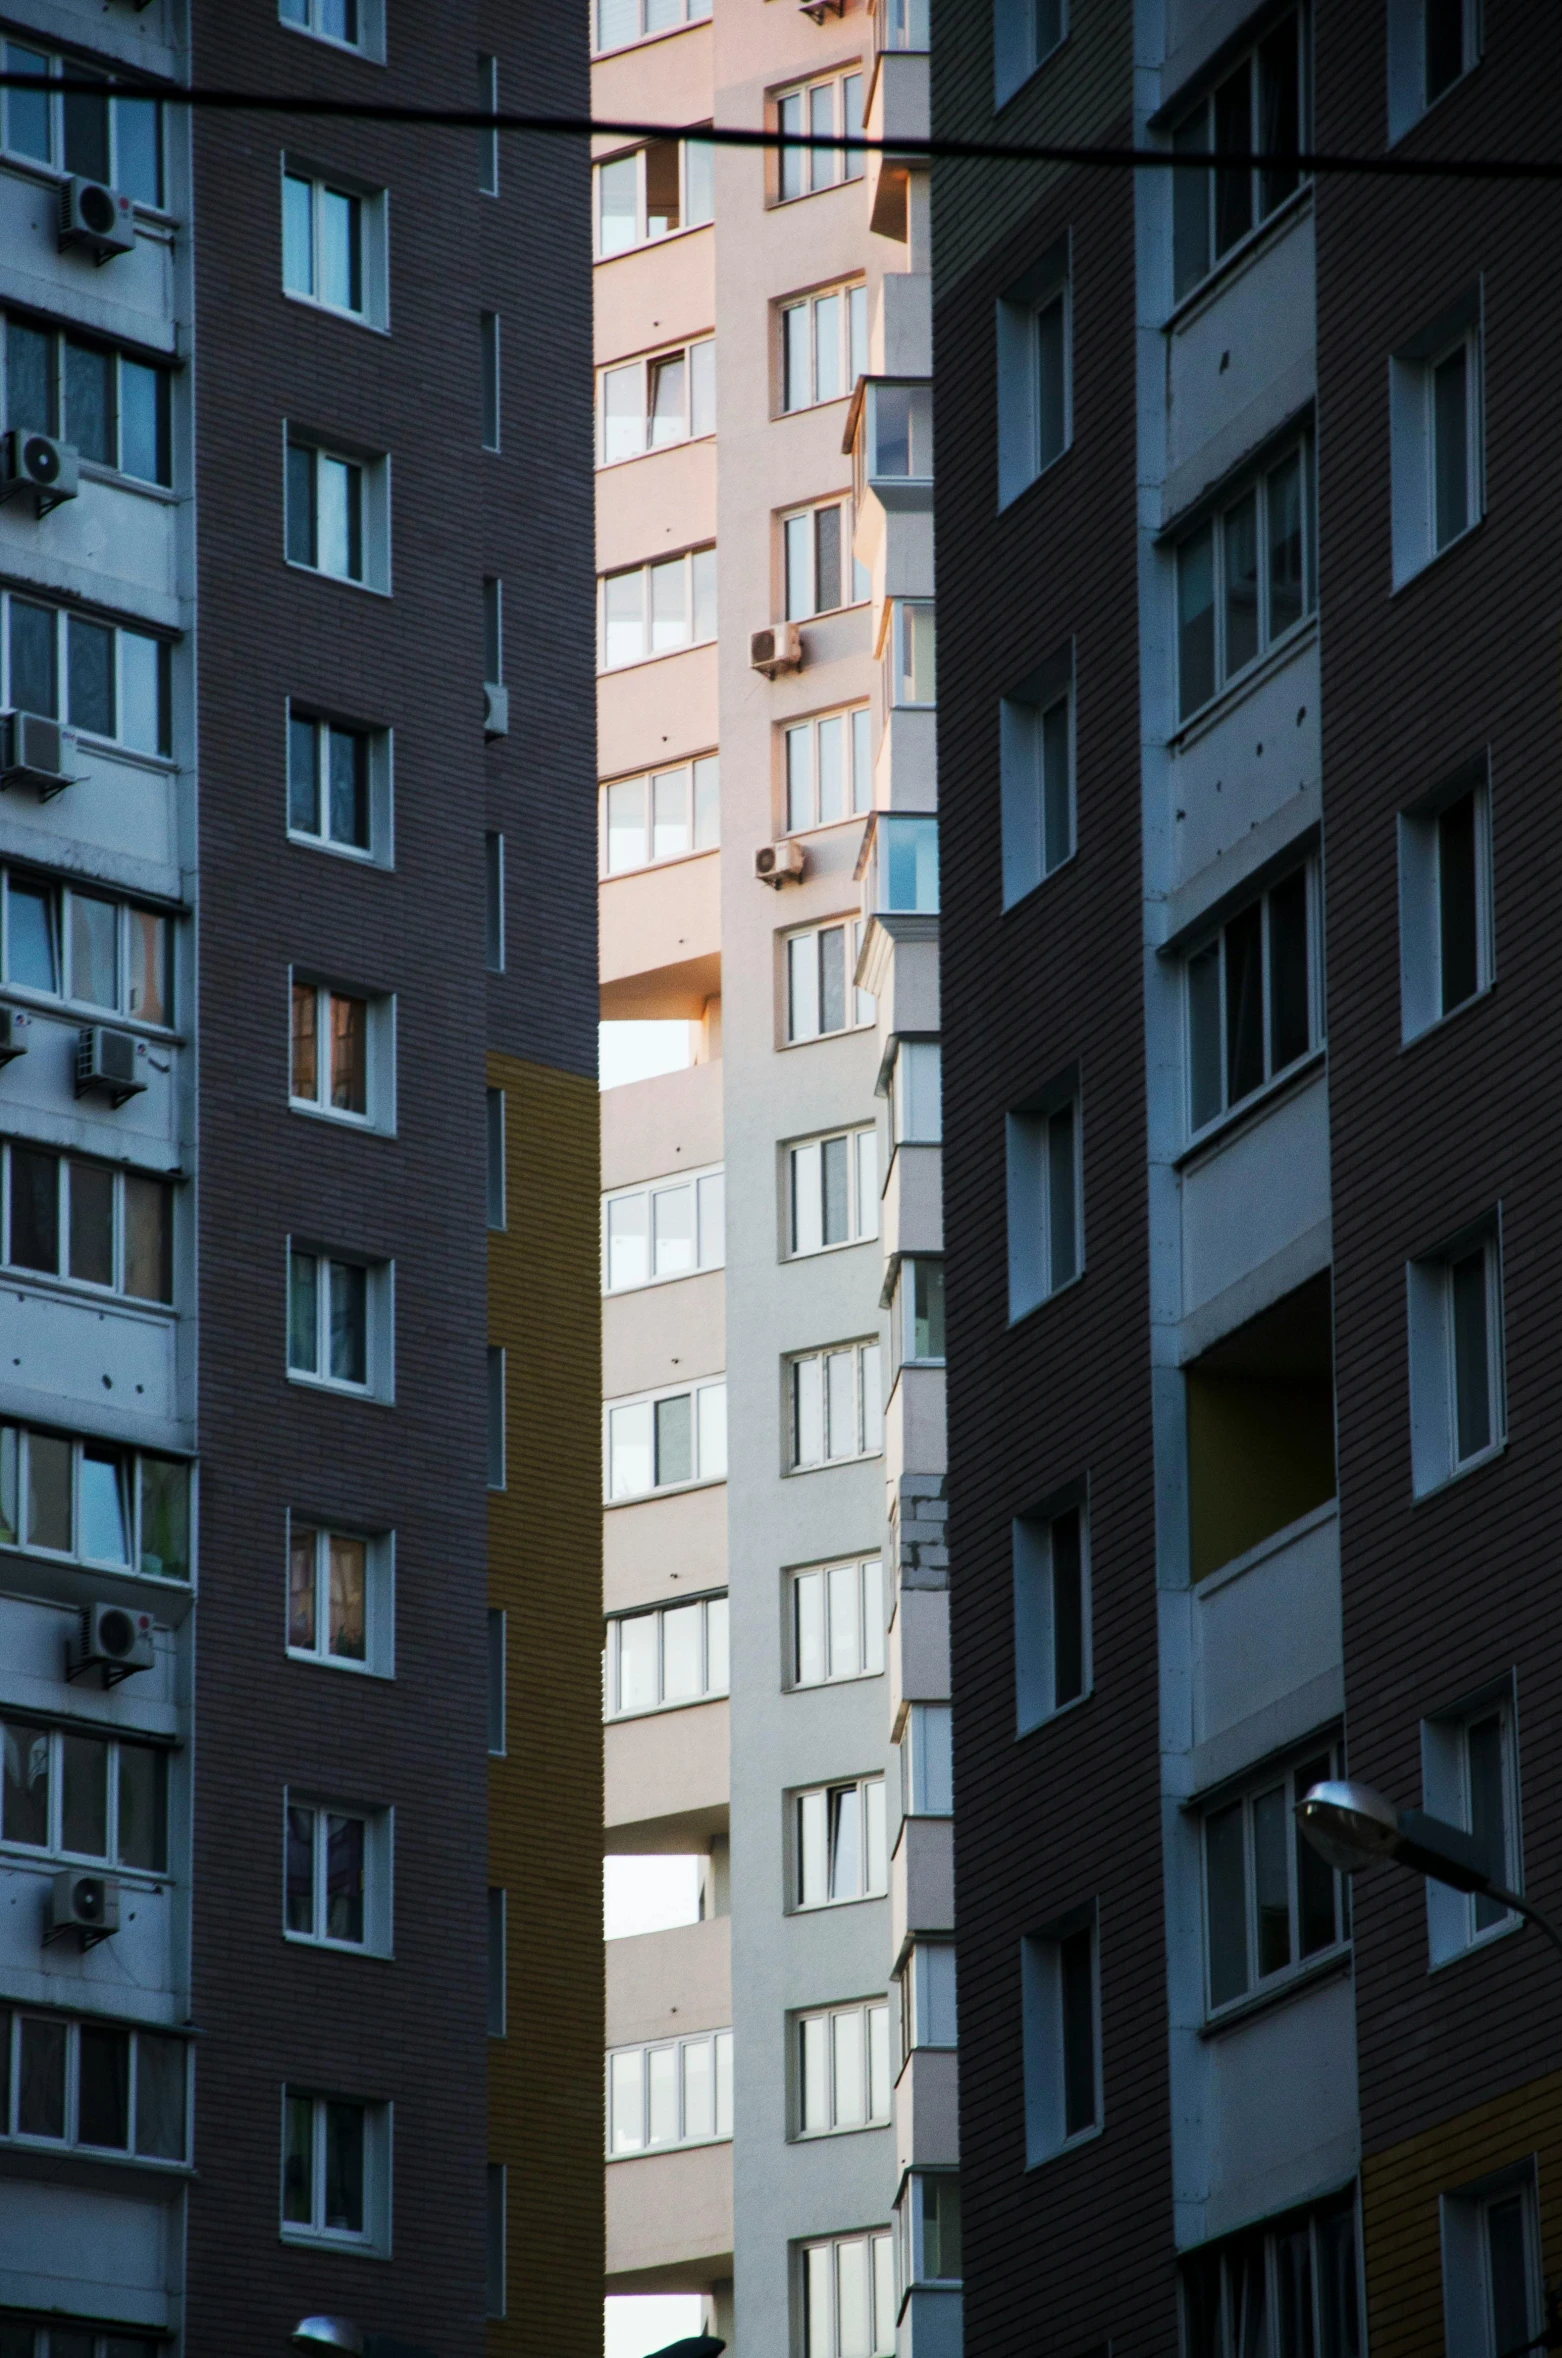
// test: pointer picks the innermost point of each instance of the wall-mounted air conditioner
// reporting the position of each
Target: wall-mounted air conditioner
(780, 863)
(115, 1639)
(13, 1033)
(100, 220)
(34, 751)
(36, 467)
(108, 1062)
(778, 649)
(86, 1905)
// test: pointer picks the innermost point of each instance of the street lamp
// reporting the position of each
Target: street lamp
(343, 2333)
(1355, 1826)
(698, 2345)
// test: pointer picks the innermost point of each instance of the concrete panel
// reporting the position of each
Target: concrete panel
(1250, 758)
(88, 2253)
(117, 545)
(931, 2325)
(33, 1640)
(666, 81)
(665, 500)
(68, 1351)
(1266, 1623)
(927, 2109)
(912, 1216)
(120, 806)
(666, 1778)
(1237, 369)
(914, 1438)
(1254, 1194)
(661, 1332)
(905, 776)
(659, 1983)
(131, 296)
(922, 1879)
(660, 941)
(919, 1649)
(132, 1973)
(900, 967)
(44, 1079)
(900, 342)
(669, 2219)
(658, 1547)
(656, 295)
(660, 711)
(1268, 2149)
(651, 1128)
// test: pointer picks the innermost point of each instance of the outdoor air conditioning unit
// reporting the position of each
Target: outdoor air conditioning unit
(776, 650)
(496, 709)
(820, 9)
(107, 1061)
(780, 863)
(87, 1905)
(33, 752)
(39, 467)
(13, 1033)
(112, 1638)
(103, 220)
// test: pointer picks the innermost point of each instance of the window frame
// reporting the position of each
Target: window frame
(719, 2043)
(56, 1733)
(867, 1379)
(1027, 452)
(1292, 1774)
(1436, 1456)
(698, 399)
(695, 12)
(372, 240)
(373, 527)
(1212, 524)
(1046, 2037)
(379, 1851)
(378, 1659)
(1204, 111)
(853, 577)
(36, 50)
(852, 294)
(1408, 99)
(690, 193)
(1214, 939)
(120, 1175)
(851, 928)
(61, 336)
(377, 2122)
(1034, 1216)
(1206, 2336)
(694, 1390)
(707, 1183)
(1454, 1927)
(379, 1055)
(918, 1999)
(377, 1382)
(908, 654)
(1422, 932)
(370, 41)
(13, 2013)
(864, 1190)
(868, 1576)
(905, 1100)
(1039, 837)
(1017, 52)
(856, 723)
(131, 1463)
(926, 1748)
(714, 1641)
(1036, 1612)
(699, 590)
(377, 743)
(1470, 2328)
(60, 894)
(912, 2224)
(872, 1841)
(1459, 328)
(125, 748)
(872, 2014)
(878, 2246)
(846, 122)
(701, 800)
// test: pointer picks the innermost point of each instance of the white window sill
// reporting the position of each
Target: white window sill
(846, 1244)
(1440, 1023)
(374, 589)
(1242, 684)
(1253, 1108)
(828, 1465)
(829, 826)
(653, 2152)
(804, 409)
(646, 1285)
(845, 2129)
(825, 1907)
(616, 1719)
(632, 458)
(1435, 557)
(1294, 1983)
(29, 1551)
(1238, 258)
(94, 471)
(338, 851)
(701, 851)
(806, 195)
(846, 1032)
(360, 2247)
(1018, 1317)
(342, 1948)
(335, 1662)
(1069, 2145)
(667, 1490)
(828, 613)
(361, 319)
(1050, 1719)
(140, 756)
(1441, 99)
(648, 40)
(1477, 1943)
(365, 1123)
(1460, 1473)
(62, 2149)
(78, 1289)
(82, 1011)
(365, 57)
(645, 245)
(814, 1686)
(337, 1385)
(147, 1879)
(607, 671)
(1031, 890)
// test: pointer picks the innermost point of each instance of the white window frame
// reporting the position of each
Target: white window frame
(797, 334)
(127, 915)
(1214, 943)
(375, 2235)
(379, 1596)
(707, 1397)
(1291, 1778)
(373, 311)
(812, 1818)
(1458, 328)
(13, 2013)
(1213, 526)
(30, 56)
(1470, 2329)
(913, 1088)
(818, 2290)
(1037, 1575)
(64, 1279)
(1422, 935)
(915, 1274)
(689, 12)
(370, 42)
(621, 2062)
(1408, 98)
(53, 1735)
(698, 592)
(497, 1404)
(379, 851)
(804, 1193)
(802, 764)
(1436, 1453)
(871, 470)
(908, 655)
(378, 1823)
(498, 1682)
(929, 2001)
(1036, 1224)
(488, 141)
(694, 194)
(1035, 326)
(1047, 2133)
(59, 421)
(1332, 2263)
(1036, 740)
(128, 692)
(799, 550)
(927, 1762)
(714, 1657)
(698, 357)
(867, 1413)
(706, 1189)
(691, 788)
(495, 1174)
(1020, 42)
(821, 1600)
(799, 110)
(1195, 133)
(821, 2052)
(911, 2222)
(131, 1479)
(861, 1007)
(379, 1323)
(1454, 1918)
(379, 1008)
(373, 471)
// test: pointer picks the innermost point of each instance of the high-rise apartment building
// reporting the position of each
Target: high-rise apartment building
(780, 2069)
(1249, 1316)
(297, 1456)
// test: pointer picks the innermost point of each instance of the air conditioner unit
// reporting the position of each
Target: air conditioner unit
(39, 467)
(33, 752)
(13, 1033)
(820, 9)
(98, 218)
(776, 650)
(87, 1905)
(496, 709)
(780, 863)
(112, 1638)
(107, 1061)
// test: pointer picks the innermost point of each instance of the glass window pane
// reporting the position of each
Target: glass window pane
(49, 1477)
(1196, 620)
(846, 1878)
(809, 1628)
(341, 250)
(348, 1597)
(639, 1663)
(1287, 553)
(626, 2100)
(298, 2174)
(716, 1649)
(669, 604)
(349, 1292)
(854, 2286)
(103, 1533)
(849, 2068)
(1062, 1189)
(1225, 1891)
(812, 1849)
(344, 1877)
(143, 1807)
(711, 1206)
(94, 950)
(1245, 1003)
(840, 1382)
(829, 357)
(90, 421)
(712, 1436)
(873, 1614)
(662, 2094)
(629, 1450)
(683, 1671)
(852, 164)
(1316, 1928)
(674, 1439)
(699, 2088)
(347, 762)
(702, 386)
(305, 1081)
(1234, 136)
(1290, 1015)
(878, 2063)
(34, 658)
(618, 198)
(669, 402)
(344, 2168)
(299, 1870)
(349, 1054)
(807, 1412)
(824, 163)
(707, 772)
(1271, 1890)
(303, 784)
(302, 1574)
(1206, 1089)
(301, 537)
(24, 1806)
(799, 777)
(298, 235)
(103, 2087)
(845, 1606)
(663, 212)
(165, 1518)
(32, 941)
(799, 549)
(857, 364)
(160, 2094)
(138, 149)
(819, 2298)
(813, 2077)
(623, 412)
(669, 814)
(796, 389)
(1457, 904)
(143, 422)
(1508, 2262)
(40, 2082)
(791, 162)
(34, 1238)
(91, 656)
(1239, 535)
(832, 769)
(27, 112)
(337, 492)
(1450, 430)
(1077, 1977)
(1068, 1609)
(303, 1336)
(1472, 1377)
(626, 836)
(1279, 112)
(86, 128)
(91, 1237)
(84, 1783)
(1488, 1809)
(628, 1241)
(149, 1260)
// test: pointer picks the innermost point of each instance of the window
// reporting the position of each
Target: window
(1438, 434)
(652, 192)
(656, 609)
(496, 2238)
(819, 110)
(335, 2170)
(1469, 1773)
(85, 947)
(903, 24)
(909, 654)
(917, 1314)
(498, 1945)
(65, 1217)
(1062, 2041)
(848, 2297)
(340, 1597)
(677, 2093)
(1251, 999)
(894, 441)
(652, 403)
(928, 2219)
(839, 1844)
(1244, 578)
(66, 2338)
(915, 1089)
(338, 1318)
(816, 544)
(901, 865)
(1432, 44)
(1457, 1409)
(821, 996)
(1035, 373)
(105, 681)
(841, 2062)
(1260, 107)
(493, 630)
(1272, 2290)
(104, 134)
(1445, 901)
(677, 1654)
(1270, 1902)
(1494, 2300)
(672, 1230)
(1036, 765)
(111, 408)
(487, 141)
(351, 24)
(497, 1650)
(95, 1501)
(336, 515)
(77, 1794)
(1046, 1225)
(493, 903)
(667, 1441)
(665, 816)
(342, 1055)
(836, 1619)
(493, 1141)
(824, 346)
(497, 1425)
(1025, 33)
(1051, 1614)
(618, 22)
(829, 768)
(488, 367)
(928, 2013)
(91, 2084)
(338, 785)
(333, 244)
(927, 1768)
(835, 1406)
(337, 1875)
(832, 1191)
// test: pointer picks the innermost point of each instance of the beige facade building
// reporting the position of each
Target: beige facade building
(780, 2083)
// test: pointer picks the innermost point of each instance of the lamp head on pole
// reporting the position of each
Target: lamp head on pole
(1352, 1826)
(328, 2333)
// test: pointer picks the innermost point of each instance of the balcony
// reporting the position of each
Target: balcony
(922, 1880)
(899, 107)
(918, 1654)
(912, 1212)
(1266, 1626)
(1260, 1190)
(669, 2220)
(927, 2109)
(659, 1983)
(660, 941)
(667, 1778)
